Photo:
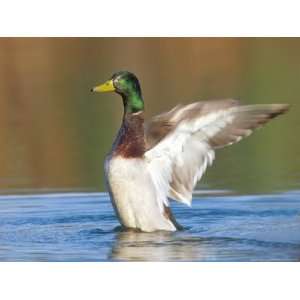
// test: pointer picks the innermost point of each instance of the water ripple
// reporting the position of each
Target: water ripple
(83, 227)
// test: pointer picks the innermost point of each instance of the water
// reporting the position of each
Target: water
(83, 227)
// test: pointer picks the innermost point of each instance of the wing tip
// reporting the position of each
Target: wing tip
(279, 109)
(185, 199)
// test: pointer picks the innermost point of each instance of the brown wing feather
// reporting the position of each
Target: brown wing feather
(245, 120)
(158, 127)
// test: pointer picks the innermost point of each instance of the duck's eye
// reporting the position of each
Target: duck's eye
(121, 83)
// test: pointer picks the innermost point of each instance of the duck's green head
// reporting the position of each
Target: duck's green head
(127, 85)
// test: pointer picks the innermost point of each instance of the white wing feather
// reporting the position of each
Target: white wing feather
(180, 159)
(186, 153)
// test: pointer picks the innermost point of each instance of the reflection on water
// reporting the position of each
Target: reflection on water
(82, 227)
(160, 246)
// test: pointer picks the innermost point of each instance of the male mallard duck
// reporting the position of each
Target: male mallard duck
(165, 157)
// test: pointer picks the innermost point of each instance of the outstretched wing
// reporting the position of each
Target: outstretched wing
(181, 143)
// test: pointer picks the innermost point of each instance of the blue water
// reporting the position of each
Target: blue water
(83, 227)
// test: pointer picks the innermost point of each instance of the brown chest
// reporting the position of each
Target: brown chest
(130, 142)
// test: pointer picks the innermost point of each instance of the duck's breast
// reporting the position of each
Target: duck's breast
(133, 194)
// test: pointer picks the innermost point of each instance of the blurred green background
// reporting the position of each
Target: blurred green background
(54, 133)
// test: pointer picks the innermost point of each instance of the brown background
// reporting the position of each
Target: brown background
(54, 133)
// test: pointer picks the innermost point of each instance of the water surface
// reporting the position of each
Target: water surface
(83, 227)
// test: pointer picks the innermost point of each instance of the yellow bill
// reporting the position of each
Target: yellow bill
(108, 86)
